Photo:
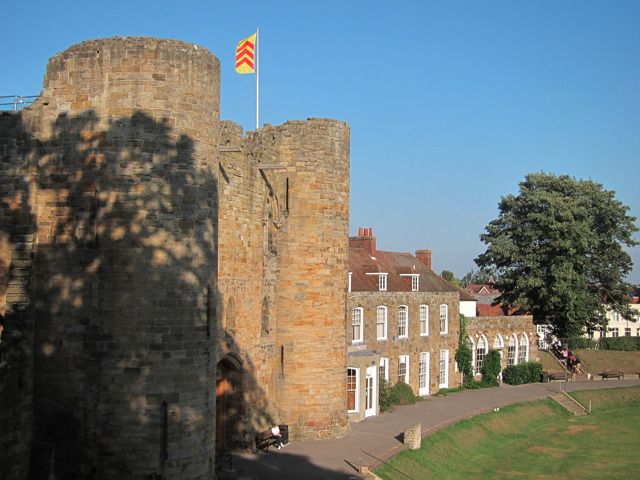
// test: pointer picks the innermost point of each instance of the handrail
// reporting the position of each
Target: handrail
(18, 102)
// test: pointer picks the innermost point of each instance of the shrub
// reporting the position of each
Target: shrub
(398, 394)
(491, 368)
(525, 372)
(385, 396)
(620, 343)
(402, 394)
(464, 355)
(580, 342)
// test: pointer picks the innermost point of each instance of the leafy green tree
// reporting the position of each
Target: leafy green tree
(558, 249)
(481, 276)
(491, 368)
(450, 277)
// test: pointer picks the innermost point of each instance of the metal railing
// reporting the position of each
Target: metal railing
(16, 102)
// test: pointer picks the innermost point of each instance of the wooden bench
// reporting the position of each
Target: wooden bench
(268, 438)
(612, 374)
(559, 375)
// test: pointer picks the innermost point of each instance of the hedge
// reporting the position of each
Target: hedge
(526, 372)
(620, 343)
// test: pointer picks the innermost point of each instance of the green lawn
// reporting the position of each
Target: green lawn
(533, 440)
(595, 361)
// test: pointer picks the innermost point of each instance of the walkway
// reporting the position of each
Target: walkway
(377, 438)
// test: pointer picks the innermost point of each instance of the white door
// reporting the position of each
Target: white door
(423, 374)
(370, 391)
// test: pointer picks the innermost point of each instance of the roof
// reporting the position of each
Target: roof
(482, 289)
(394, 264)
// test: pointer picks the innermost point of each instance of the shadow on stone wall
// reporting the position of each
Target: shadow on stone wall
(116, 303)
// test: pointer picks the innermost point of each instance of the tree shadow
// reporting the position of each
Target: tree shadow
(112, 315)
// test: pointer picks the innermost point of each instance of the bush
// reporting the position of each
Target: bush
(491, 368)
(526, 372)
(580, 342)
(398, 394)
(402, 394)
(464, 355)
(385, 396)
(626, 344)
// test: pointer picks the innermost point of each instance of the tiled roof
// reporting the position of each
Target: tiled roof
(481, 289)
(394, 264)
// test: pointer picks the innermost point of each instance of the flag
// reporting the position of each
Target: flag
(245, 61)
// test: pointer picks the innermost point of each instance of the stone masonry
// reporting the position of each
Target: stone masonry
(143, 242)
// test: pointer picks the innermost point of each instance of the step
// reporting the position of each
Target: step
(569, 404)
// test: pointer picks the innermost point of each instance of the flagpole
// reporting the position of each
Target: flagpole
(257, 79)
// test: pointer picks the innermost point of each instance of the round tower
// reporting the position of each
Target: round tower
(126, 216)
(312, 279)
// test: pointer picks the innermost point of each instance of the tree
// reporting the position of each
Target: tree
(558, 250)
(482, 276)
(464, 354)
(450, 277)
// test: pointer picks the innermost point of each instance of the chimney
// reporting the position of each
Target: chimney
(365, 239)
(424, 257)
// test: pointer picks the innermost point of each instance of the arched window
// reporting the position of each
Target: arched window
(403, 321)
(481, 351)
(424, 319)
(511, 350)
(498, 345)
(265, 318)
(381, 322)
(357, 324)
(523, 348)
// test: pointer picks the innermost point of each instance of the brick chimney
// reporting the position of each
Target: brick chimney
(424, 257)
(365, 239)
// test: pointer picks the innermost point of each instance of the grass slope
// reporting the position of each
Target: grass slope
(533, 440)
(595, 361)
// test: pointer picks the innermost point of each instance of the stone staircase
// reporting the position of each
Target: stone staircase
(569, 403)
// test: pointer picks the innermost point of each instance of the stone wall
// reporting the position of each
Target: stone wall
(282, 248)
(144, 245)
(122, 193)
(415, 343)
(504, 327)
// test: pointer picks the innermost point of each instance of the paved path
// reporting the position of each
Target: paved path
(378, 438)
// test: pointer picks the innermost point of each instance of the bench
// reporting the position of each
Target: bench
(268, 438)
(612, 374)
(560, 375)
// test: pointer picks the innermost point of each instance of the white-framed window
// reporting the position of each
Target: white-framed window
(627, 331)
(423, 374)
(443, 377)
(357, 324)
(481, 351)
(349, 287)
(415, 282)
(383, 370)
(498, 345)
(523, 348)
(382, 282)
(353, 387)
(637, 332)
(444, 319)
(615, 332)
(381, 322)
(511, 350)
(403, 369)
(403, 321)
(424, 320)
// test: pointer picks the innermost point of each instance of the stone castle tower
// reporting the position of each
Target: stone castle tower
(169, 285)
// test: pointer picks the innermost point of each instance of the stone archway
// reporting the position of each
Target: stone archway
(229, 403)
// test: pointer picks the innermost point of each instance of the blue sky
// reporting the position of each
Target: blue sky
(450, 103)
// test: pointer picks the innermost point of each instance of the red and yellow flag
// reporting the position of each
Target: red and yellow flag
(245, 61)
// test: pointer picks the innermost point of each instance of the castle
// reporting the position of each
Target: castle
(169, 285)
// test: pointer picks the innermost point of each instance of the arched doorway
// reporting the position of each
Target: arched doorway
(229, 405)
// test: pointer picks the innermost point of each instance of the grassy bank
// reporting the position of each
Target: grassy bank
(533, 440)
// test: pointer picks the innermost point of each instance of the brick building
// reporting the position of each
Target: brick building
(402, 324)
